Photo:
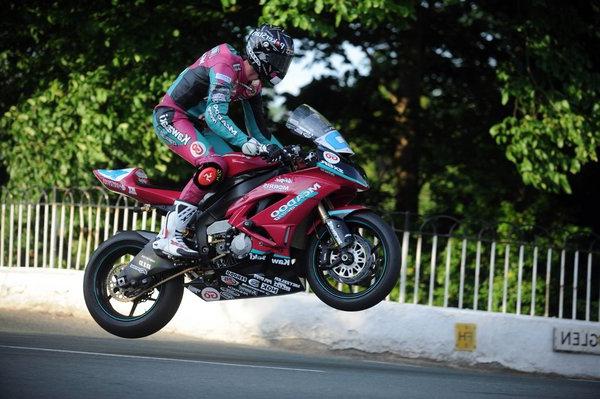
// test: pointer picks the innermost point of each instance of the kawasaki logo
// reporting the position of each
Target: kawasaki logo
(292, 204)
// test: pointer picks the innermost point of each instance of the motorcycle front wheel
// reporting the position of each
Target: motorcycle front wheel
(370, 268)
(112, 310)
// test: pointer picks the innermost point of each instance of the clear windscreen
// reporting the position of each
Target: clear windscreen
(307, 122)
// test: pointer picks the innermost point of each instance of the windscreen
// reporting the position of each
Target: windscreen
(307, 122)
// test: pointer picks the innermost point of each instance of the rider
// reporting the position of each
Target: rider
(192, 119)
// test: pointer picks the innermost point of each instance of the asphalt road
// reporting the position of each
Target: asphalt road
(44, 356)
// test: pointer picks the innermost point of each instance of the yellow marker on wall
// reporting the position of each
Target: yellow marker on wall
(465, 337)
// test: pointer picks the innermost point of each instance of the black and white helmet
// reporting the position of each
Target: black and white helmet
(270, 50)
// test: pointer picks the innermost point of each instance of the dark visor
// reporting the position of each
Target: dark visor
(280, 62)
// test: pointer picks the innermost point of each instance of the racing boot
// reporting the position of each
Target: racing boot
(170, 239)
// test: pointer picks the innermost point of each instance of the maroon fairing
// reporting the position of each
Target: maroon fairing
(293, 197)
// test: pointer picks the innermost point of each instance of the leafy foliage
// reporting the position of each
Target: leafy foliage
(552, 80)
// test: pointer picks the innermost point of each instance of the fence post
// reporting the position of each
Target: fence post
(417, 269)
(45, 234)
(477, 267)
(520, 278)
(28, 236)
(562, 284)
(403, 266)
(505, 285)
(90, 232)
(53, 230)
(447, 276)
(534, 280)
(19, 231)
(71, 229)
(575, 278)
(11, 225)
(491, 277)
(548, 271)
(433, 266)
(463, 260)
(588, 288)
(2, 213)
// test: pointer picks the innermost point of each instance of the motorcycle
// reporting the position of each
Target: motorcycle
(269, 225)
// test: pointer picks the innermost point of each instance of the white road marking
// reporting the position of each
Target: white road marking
(159, 358)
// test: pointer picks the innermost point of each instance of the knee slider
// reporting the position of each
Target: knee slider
(208, 175)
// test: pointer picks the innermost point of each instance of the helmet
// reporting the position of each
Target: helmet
(270, 50)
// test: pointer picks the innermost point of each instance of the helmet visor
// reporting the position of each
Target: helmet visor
(280, 63)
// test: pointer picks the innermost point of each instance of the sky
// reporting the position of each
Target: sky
(304, 69)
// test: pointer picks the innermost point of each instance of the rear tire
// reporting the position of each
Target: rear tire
(98, 295)
(382, 278)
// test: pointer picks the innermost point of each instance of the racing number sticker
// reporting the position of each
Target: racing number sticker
(331, 157)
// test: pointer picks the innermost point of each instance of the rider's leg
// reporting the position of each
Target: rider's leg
(179, 134)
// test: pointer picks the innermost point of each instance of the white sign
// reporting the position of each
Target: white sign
(585, 340)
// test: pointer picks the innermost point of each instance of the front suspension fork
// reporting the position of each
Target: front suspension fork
(337, 228)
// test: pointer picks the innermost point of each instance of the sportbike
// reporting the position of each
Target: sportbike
(270, 224)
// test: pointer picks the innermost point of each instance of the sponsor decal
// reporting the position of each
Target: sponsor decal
(254, 282)
(283, 180)
(237, 67)
(292, 204)
(223, 77)
(218, 98)
(131, 190)
(336, 168)
(280, 261)
(138, 269)
(177, 138)
(276, 187)
(282, 281)
(195, 290)
(236, 276)
(281, 286)
(229, 280)
(269, 288)
(263, 279)
(210, 294)
(257, 256)
(197, 149)
(216, 117)
(331, 157)
(227, 295)
(144, 264)
(114, 185)
(248, 290)
(231, 291)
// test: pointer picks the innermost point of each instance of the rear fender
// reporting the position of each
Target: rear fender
(340, 212)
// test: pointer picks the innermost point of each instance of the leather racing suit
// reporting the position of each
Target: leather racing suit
(192, 117)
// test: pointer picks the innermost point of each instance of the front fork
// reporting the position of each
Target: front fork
(337, 228)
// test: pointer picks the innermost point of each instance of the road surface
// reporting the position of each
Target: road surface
(44, 356)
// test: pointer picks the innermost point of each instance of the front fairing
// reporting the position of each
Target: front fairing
(333, 164)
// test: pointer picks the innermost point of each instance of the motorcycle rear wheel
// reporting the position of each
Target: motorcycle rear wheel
(112, 310)
(375, 284)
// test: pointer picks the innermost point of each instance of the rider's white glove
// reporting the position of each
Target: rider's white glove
(253, 148)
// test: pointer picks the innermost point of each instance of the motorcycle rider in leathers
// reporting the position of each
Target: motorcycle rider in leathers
(201, 94)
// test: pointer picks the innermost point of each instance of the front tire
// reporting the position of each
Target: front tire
(106, 304)
(336, 286)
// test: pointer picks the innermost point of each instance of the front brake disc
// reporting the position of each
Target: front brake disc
(356, 262)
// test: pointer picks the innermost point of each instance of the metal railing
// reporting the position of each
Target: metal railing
(445, 262)
(61, 228)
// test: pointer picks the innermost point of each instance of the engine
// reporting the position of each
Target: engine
(229, 245)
